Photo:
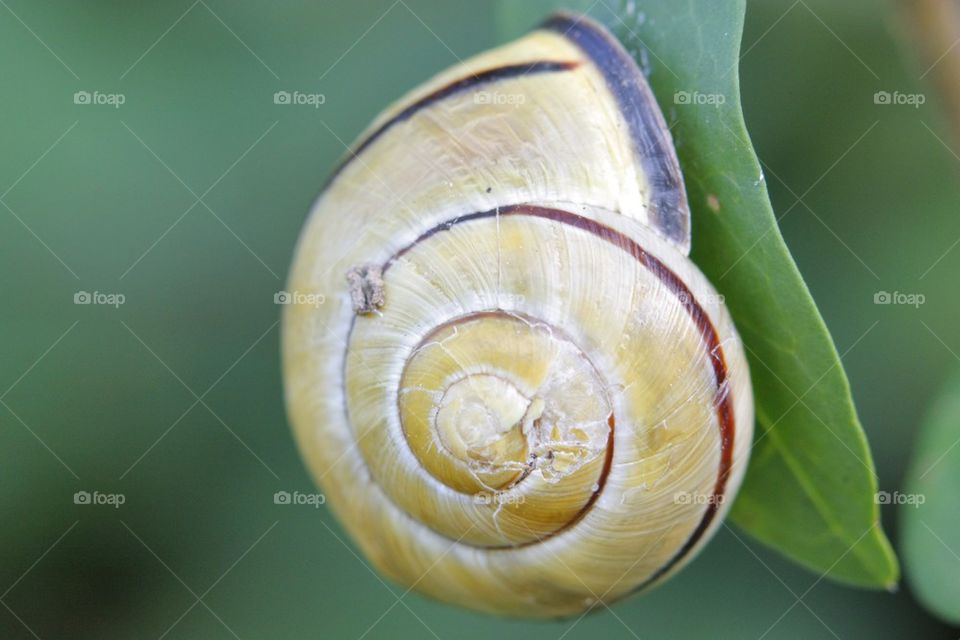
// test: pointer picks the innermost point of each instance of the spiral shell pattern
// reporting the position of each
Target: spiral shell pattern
(519, 395)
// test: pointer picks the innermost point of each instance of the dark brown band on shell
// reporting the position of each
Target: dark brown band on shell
(670, 214)
(456, 87)
(722, 395)
(611, 420)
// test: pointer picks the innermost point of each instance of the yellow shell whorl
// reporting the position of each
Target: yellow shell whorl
(524, 398)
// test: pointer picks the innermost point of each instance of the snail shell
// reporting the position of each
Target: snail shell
(520, 395)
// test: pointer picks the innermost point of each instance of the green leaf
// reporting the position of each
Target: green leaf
(810, 486)
(929, 517)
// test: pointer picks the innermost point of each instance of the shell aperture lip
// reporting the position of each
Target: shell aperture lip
(670, 211)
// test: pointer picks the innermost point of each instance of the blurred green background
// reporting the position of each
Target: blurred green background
(187, 200)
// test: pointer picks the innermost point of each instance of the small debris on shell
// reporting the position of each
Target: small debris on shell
(366, 288)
